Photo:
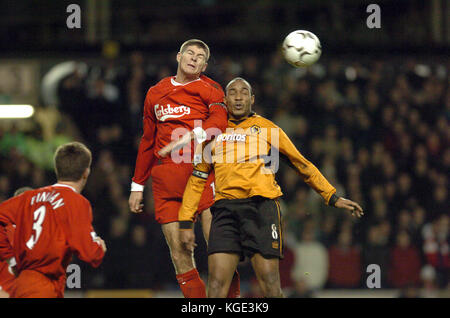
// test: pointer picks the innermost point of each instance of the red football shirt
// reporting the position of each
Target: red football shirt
(6, 276)
(52, 223)
(172, 109)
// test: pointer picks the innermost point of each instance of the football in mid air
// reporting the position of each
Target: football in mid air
(301, 48)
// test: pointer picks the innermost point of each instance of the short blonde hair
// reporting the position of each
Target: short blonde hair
(198, 43)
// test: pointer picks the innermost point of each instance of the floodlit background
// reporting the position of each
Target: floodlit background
(373, 115)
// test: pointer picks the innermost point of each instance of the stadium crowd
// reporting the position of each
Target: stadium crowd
(378, 130)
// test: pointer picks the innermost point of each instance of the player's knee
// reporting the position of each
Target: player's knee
(216, 286)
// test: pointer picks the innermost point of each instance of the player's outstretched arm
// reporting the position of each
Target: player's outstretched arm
(306, 169)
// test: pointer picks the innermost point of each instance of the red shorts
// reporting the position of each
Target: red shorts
(168, 183)
(33, 284)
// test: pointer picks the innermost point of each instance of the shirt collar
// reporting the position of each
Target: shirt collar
(175, 83)
(64, 185)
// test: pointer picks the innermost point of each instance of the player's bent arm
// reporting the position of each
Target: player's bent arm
(307, 170)
(218, 119)
(211, 127)
(83, 240)
(6, 251)
(191, 197)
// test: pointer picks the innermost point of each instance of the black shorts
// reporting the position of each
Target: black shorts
(246, 227)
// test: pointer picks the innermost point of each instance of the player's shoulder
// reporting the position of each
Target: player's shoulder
(210, 83)
(161, 85)
(261, 121)
(70, 194)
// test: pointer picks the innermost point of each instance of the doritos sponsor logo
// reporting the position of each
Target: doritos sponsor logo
(163, 112)
(231, 137)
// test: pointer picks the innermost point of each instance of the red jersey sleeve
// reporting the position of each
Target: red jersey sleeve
(146, 155)
(7, 218)
(81, 235)
(218, 114)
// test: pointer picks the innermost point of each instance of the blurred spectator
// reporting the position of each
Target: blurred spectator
(376, 252)
(286, 266)
(311, 261)
(428, 280)
(116, 260)
(436, 248)
(344, 263)
(140, 258)
(405, 262)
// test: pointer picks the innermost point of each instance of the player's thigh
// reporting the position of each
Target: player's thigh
(221, 268)
(223, 264)
(172, 235)
(206, 218)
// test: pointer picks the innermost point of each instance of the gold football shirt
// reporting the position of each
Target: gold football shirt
(245, 159)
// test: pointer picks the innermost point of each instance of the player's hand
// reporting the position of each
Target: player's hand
(99, 241)
(176, 144)
(187, 238)
(354, 207)
(135, 201)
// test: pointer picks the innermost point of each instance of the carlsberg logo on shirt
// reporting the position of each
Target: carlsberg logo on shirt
(163, 112)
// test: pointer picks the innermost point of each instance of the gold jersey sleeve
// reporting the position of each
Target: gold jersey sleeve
(307, 170)
(194, 189)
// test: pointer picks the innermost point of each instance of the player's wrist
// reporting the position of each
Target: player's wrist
(199, 134)
(137, 187)
(186, 225)
(332, 202)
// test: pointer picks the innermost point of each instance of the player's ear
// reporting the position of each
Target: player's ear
(204, 67)
(178, 57)
(86, 173)
(252, 100)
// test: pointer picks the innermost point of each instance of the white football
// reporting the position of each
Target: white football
(301, 48)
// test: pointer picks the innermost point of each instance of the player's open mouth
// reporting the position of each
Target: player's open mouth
(191, 65)
(238, 106)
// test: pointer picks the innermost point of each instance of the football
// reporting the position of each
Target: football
(301, 48)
